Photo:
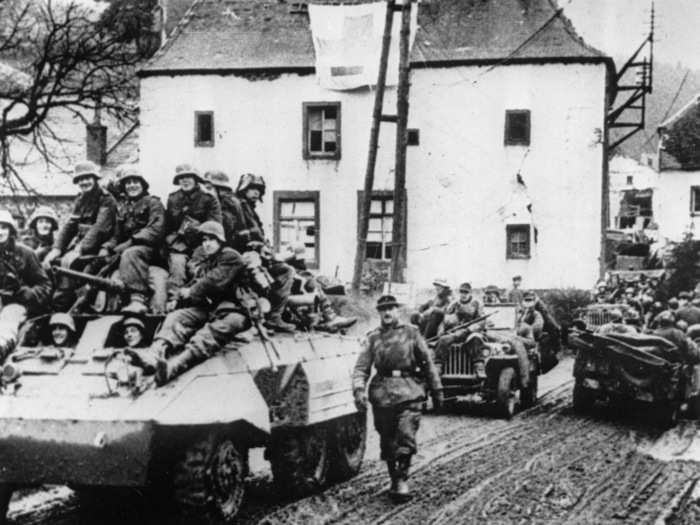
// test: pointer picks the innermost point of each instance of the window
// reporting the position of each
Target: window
(517, 127)
(630, 180)
(381, 224)
(413, 137)
(296, 218)
(321, 130)
(695, 200)
(204, 128)
(518, 241)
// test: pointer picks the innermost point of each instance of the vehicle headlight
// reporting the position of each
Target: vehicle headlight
(485, 351)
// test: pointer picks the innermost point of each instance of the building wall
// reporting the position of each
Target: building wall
(672, 204)
(462, 182)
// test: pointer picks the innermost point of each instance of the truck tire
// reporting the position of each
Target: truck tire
(528, 396)
(505, 400)
(300, 458)
(583, 398)
(208, 481)
(5, 496)
(348, 446)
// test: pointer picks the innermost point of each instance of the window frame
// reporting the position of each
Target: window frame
(307, 154)
(507, 140)
(513, 228)
(377, 194)
(281, 196)
(203, 143)
(694, 203)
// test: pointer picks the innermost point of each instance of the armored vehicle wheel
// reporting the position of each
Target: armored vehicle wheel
(208, 480)
(5, 495)
(348, 446)
(300, 459)
(583, 398)
(505, 400)
(528, 396)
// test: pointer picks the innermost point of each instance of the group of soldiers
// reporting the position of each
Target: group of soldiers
(207, 243)
(407, 368)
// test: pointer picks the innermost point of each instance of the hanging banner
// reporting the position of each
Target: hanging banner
(348, 43)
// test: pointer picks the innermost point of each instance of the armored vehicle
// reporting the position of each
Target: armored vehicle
(484, 369)
(626, 369)
(82, 416)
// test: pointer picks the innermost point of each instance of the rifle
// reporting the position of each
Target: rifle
(100, 283)
(461, 326)
(251, 306)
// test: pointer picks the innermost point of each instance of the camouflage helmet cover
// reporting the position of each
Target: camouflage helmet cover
(85, 169)
(186, 170)
(213, 229)
(7, 218)
(249, 180)
(62, 319)
(219, 179)
(131, 172)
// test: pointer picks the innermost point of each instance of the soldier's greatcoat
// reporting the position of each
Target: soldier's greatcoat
(142, 221)
(196, 206)
(91, 223)
(20, 268)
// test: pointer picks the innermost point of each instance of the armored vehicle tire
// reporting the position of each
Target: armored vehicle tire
(528, 396)
(348, 446)
(5, 495)
(583, 398)
(505, 400)
(300, 458)
(208, 481)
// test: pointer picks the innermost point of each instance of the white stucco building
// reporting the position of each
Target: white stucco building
(506, 172)
(678, 194)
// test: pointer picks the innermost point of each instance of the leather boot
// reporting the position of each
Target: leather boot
(276, 323)
(137, 304)
(146, 358)
(402, 492)
(167, 369)
(334, 322)
(391, 467)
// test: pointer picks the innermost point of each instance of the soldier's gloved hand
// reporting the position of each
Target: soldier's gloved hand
(50, 257)
(121, 248)
(360, 399)
(438, 400)
(104, 252)
(24, 294)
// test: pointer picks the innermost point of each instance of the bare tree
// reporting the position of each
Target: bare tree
(76, 63)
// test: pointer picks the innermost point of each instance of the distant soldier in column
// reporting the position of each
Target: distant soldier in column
(43, 224)
(187, 208)
(398, 389)
(515, 295)
(25, 288)
(91, 223)
(139, 232)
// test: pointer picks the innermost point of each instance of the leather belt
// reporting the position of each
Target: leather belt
(396, 373)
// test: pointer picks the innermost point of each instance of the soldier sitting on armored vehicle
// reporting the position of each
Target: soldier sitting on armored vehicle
(139, 230)
(616, 325)
(62, 329)
(431, 314)
(249, 233)
(89, 226)
(205, 318)
(42, 226)
(25, 288)
(218, 183)
(187, 208)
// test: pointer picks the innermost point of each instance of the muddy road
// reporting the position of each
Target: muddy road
(547, 465)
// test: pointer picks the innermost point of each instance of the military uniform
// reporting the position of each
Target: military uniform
(184, 213)
(26, 287)
(403, 369)
(139, 231)
(534, 320)
(41, 244)
(206, 323)
(430, 314)
(458, 313)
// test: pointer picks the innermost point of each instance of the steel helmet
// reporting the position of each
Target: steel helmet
(131, 172)
(248, 180)
(85, 169)
(62, 319)
(214, 229)
(186, 170)
(44, 212)
(665, 318)
(133, 321)
(7, 218)
(218, 179)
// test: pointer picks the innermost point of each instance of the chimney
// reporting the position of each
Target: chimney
(96, 140)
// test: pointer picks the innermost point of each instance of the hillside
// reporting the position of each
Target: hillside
(660, 104)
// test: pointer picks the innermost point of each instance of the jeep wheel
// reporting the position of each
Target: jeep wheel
(208, 485)
(505, 398)
(300, 459)
(584, 398)
(528, 396)
(348, 446)
(665, 415)
(5, 495)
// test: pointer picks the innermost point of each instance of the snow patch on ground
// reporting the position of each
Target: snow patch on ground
(680, 443)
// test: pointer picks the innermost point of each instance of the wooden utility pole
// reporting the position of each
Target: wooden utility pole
(361, 249)
(398, 249)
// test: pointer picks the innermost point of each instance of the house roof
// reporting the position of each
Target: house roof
(692, 105)
(690, 112)
(231, 35)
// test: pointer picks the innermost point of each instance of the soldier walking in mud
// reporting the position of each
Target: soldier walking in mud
(397, 391)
